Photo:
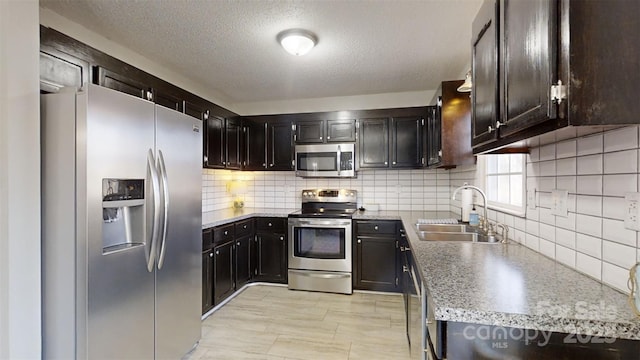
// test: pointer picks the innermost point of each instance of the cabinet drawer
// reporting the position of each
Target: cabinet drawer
(244, 228)
(376, 227)
(223, 234)
(207, 239)
(272, 224)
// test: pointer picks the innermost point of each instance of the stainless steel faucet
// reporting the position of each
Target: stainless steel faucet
(485, 228)
(505, 232)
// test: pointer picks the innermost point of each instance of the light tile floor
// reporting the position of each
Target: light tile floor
(269, 322)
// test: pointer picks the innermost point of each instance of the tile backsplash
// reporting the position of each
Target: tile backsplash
(390, 189)
(596, 170)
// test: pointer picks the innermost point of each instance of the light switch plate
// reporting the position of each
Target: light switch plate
(531, 199)
(632, 211)
(559, 199)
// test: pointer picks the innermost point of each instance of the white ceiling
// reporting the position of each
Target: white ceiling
(365, 47)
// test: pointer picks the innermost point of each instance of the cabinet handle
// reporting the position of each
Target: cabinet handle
(270, 224)
(270, 165)
(281, 237)
(210, 254)
(375, 228)
(320, 137)
(386, 163)
(217, 252)
(264, 164)
(226, 232)
(328, 138)
(238, 243)
(244, 226)
(490, 129)
(224, 163)
(359, 241)
(394, 163)
(498, 124)
(440, 153)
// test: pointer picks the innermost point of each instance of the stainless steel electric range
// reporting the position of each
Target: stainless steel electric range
(320, 241)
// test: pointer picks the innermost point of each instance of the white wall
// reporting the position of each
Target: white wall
(359, 102)
(596, 170)
(20, 305)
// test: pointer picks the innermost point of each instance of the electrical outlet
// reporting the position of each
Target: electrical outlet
(559, 199)
(632, 211)
(531, 199)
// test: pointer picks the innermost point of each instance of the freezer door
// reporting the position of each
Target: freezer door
(179, 264)
(119, 287)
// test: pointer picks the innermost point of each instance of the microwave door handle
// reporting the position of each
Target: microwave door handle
(338, 156)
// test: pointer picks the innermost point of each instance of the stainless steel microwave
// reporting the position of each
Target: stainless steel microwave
(326, 160)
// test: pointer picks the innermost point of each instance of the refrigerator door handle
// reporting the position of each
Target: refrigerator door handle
(155, 227)
(165, 226)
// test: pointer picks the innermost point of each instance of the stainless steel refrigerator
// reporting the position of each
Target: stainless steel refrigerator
(122, 227)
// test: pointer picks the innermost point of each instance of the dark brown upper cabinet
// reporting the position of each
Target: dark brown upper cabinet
(374, 143)
(406, 141)
(325, 131)
(393, 141)
(268, 145)
(448, 128)
(279, 145)
(484, 65)
(214, 146)
(557, 65)
(233, 133)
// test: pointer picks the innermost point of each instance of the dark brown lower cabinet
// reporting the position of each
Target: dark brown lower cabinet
(223, 274)
(270, 257)
(242, 252)
(376, 258)
(207, 280)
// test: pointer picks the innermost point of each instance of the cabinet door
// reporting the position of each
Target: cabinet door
(223, 281)
(167, 99)
(528, 31)
(58, 70)
(406, 142)
(232, 133)
(115, 81)
(279, 149)
(243, 261)
(310, 132)
(207, 280)
(254, 148)
(433, 134)
(374, 143)
(377, 263)
(341, 130)
(484, 64)
(271, 257)
(214, 142)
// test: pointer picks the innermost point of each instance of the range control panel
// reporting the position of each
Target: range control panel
(329, 195)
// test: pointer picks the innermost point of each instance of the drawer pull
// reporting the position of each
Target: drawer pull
(281, 237)
(226, 232)
(359, 241)
(210, 254)
(244, 226)
(375, 227)
(270, 224)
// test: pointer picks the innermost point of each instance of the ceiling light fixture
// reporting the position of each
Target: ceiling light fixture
(467, 85)
(297, 41)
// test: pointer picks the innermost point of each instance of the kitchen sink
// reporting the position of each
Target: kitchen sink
(453, 232)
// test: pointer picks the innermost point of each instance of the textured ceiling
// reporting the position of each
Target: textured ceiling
(365, 47)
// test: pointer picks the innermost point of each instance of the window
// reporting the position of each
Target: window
(505, 182)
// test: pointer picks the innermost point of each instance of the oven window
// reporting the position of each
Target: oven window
(321, 161)
(319, 243)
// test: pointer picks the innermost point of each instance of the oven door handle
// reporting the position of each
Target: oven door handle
(321, 223)
(321, 275)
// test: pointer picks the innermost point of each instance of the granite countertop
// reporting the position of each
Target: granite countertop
(513, 286)
(225, 216)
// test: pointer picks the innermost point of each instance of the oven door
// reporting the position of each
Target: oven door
(320, 244)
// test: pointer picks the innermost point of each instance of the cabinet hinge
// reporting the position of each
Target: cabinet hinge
(558, 92)
(293, 127)
(293, 163)
(396, 281)
(423, 161)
